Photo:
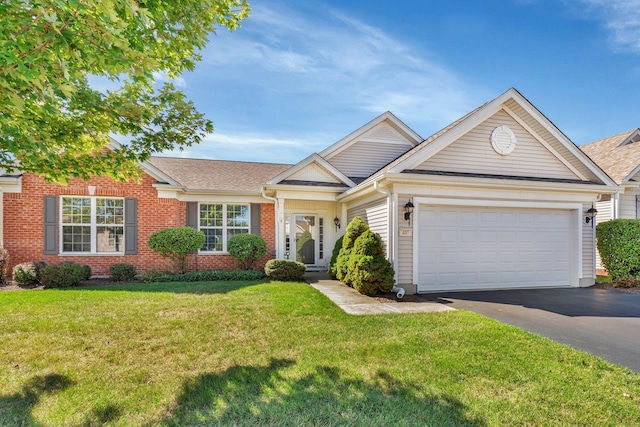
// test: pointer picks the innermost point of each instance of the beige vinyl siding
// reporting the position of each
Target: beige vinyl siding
(314, 172)
(627, 203)
(363, 158)
(605, 213)
(473, 153)
(543, 133)
(375, 215)
(588, 245)
(405, 245)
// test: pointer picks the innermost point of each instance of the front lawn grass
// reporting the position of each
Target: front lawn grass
(252, 353)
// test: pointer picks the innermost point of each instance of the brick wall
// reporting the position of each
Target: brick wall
(24, 227)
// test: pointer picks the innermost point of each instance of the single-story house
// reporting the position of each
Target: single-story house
(498, 199)
(619, 157)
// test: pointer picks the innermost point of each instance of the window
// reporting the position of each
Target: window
(219, 222)
(92, 225)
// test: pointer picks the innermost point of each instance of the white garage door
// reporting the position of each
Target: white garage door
(493, 248)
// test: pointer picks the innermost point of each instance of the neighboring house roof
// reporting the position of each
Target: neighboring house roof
(617, 155)
(218, 175)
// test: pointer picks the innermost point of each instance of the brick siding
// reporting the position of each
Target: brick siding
(24, 226)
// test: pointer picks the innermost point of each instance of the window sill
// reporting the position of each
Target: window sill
(90, 254)
(212, 253)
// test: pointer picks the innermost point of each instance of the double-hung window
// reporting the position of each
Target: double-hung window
(92, 224)
(220, 221)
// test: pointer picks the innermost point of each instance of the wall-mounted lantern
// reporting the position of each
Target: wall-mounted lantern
(336, 222)
(408, 210)
(591, 216)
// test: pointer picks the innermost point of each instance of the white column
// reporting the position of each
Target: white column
(280, 229)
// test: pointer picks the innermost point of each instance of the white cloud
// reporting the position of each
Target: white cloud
(341, 63)
(253, 147)
(621, 18)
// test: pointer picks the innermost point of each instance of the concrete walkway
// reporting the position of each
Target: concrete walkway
(349, 300)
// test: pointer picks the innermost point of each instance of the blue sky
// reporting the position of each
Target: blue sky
(300, 75)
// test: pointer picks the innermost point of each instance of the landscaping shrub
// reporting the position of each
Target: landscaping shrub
(370, 272)
(4, 265)
(122, 272)
(153, 276)
(334, 257)
(26, 273)
(61, 275)
(246, 249)
(176, 243)
(619, 246)
(356, 227)
(284, 269)
(86, 272)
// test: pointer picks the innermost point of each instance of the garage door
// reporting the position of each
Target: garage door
(493, 248)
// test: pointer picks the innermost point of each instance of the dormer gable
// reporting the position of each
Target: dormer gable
(314, 170)
(371, 147)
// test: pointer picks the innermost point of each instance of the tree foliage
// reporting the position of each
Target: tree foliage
(55, 124)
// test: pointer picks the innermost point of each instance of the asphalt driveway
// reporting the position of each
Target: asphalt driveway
(602, 322)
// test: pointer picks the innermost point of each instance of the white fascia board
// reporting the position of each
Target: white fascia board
(553, 130)
(459, 181)
(307, 161)
(627, 179)
(11, 184)
(451, 135)
(222, 198)
(630, 137)
(349, 139)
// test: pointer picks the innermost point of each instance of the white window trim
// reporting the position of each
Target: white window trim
(224, 226)
(93, 227)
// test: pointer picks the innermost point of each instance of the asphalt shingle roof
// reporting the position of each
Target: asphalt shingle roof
(618, 162)
(218, 175)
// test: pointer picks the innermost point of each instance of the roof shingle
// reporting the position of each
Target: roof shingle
(218, 175)
(618, 162)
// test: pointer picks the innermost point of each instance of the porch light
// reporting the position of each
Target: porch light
(408, 210)
(591, 216)
(336, 221)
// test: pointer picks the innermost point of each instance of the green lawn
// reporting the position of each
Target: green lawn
(238, 353)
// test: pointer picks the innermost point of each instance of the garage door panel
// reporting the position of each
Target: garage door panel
(474, 248)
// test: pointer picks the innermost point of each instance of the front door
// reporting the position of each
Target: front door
(305, 239)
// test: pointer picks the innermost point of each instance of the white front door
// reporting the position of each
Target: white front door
(305, 239)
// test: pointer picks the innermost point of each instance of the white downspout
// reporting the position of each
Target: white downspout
(391, 215)
(616, 205)
(1, 218)
(276, 207)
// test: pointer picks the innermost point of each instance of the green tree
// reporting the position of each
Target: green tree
(54, 124)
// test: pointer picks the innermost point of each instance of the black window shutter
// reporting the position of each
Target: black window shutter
(192, 214)
(130, 226)
(255, 218)
(50, 225)
(637, 206)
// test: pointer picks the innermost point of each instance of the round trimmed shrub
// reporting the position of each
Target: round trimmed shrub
(176, 243)
(246, 249)
(63, 275)
(122, 272)
(86, 272)
(284, 269)
(26, 273)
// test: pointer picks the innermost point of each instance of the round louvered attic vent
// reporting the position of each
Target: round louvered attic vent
(503, 140)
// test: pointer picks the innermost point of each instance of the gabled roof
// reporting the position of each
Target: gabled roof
(388, 117)
(218, 175)
(617, 155)
(521, 110)
(331, 174)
